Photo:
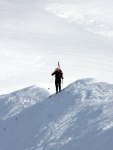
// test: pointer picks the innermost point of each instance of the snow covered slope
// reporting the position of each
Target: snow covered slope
(33, 39)
(79, 117)
(14, 103)
(95, 16)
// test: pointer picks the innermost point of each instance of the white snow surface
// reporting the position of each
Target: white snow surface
(16, 101)
(95, 16)
(36, 34)
(79, 117)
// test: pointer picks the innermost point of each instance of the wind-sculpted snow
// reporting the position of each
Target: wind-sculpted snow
(79, 117)
(33, 38)
(94, 16)
(13, 103)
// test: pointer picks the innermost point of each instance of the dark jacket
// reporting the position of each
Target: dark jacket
(58, 75)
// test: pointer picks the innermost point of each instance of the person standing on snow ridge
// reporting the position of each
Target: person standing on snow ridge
(58, 76)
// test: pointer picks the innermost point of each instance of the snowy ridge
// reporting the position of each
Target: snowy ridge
(34, 36)
(15, 102)
(79, 117)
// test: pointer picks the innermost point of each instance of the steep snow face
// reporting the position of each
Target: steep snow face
(33, 40)
(95, 16)
(79, 117)
(14, 103)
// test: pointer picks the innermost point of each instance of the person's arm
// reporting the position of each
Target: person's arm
(61, 74)
(53, 73)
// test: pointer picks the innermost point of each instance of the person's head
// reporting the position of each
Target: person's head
(57, 69)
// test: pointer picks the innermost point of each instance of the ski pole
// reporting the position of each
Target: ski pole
(50, 83)
(62, 81)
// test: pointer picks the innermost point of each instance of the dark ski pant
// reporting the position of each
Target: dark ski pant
(58, 86)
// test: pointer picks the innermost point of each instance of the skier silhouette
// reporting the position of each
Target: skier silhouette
(58, 76)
